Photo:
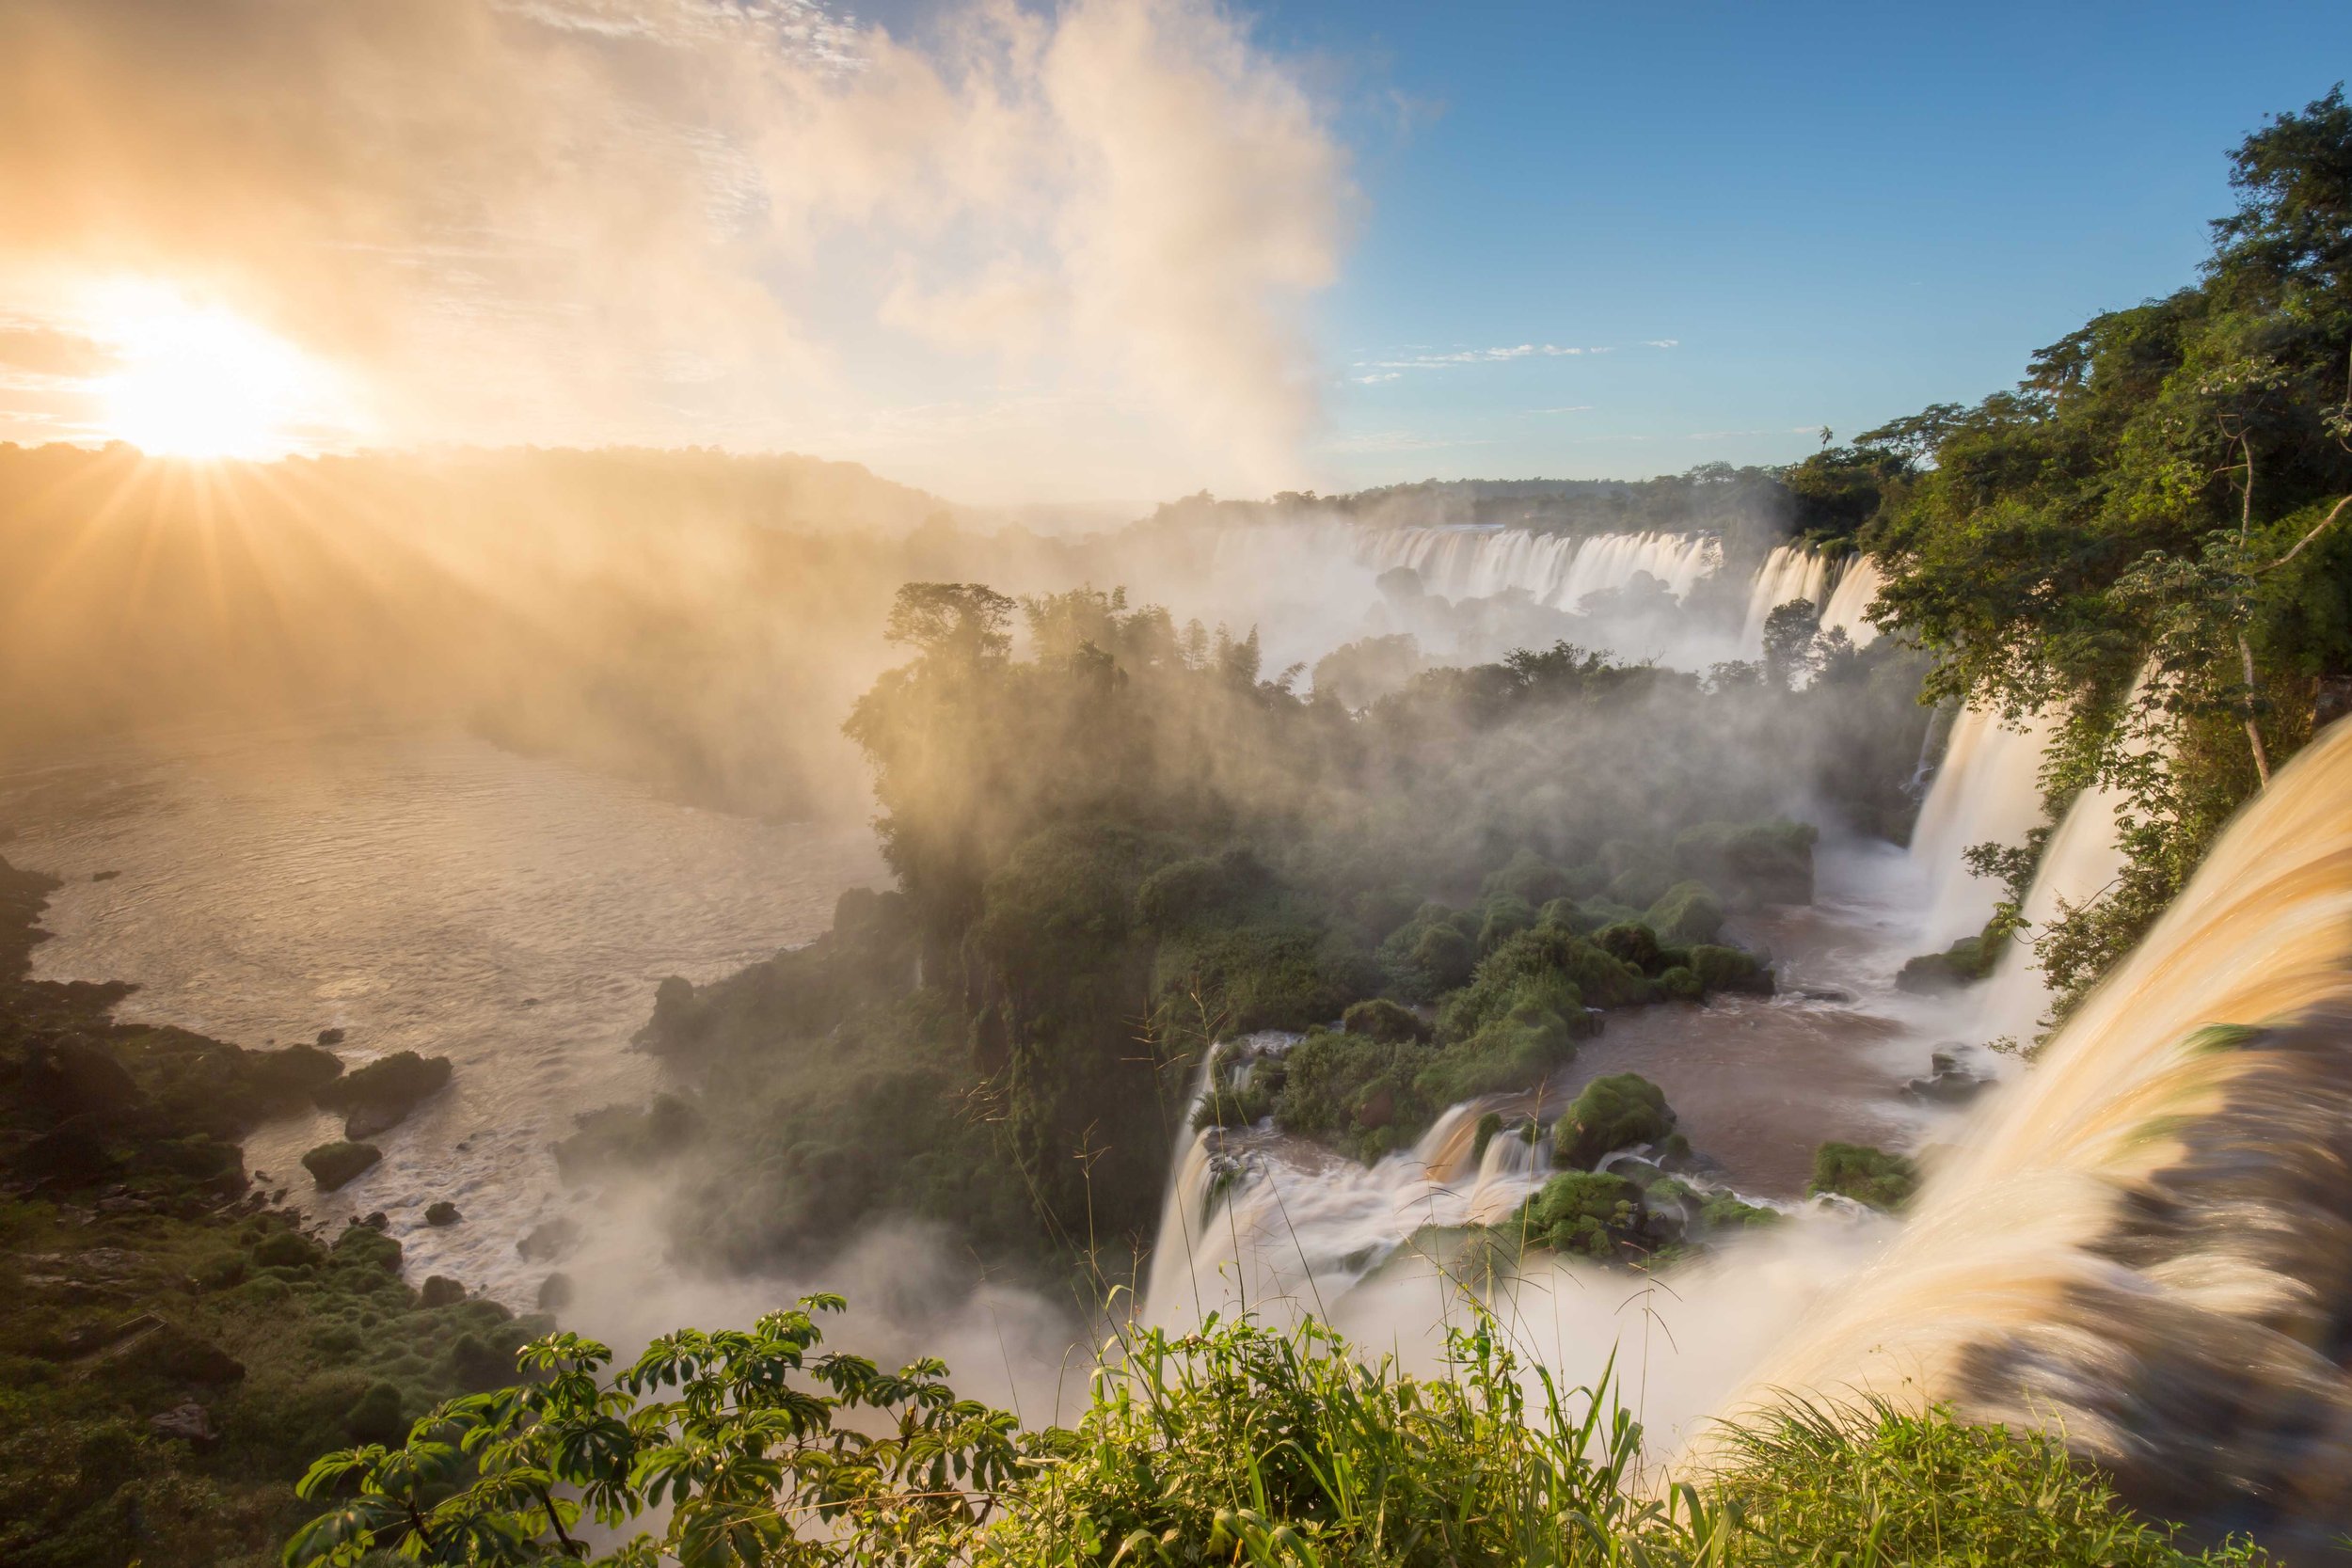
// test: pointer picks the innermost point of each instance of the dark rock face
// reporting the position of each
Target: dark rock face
(443, 1212)
(330, 1037)
(74, 1079)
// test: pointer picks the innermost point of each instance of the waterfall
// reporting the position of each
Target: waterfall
(1556, 570)
(1857, 585)
(1790, 572)
(2146, 1244)
(1307, 1224)
(1181, 1212)
(1986, 790)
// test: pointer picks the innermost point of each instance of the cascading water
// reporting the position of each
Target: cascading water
(1555, 570)
(1857, 585)
(1986, 790)
(1257, 1223)
(1790, 572)
(2146, 1244)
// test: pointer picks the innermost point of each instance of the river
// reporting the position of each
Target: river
(419, 890)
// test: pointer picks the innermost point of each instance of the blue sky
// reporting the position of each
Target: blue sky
(1837, 213)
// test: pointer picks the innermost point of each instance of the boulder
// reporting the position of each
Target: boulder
(1612, 1113)
(381, 1094)
(189, 1423)
(555, 1292)
(332, 1165)
(330, 1037)
(443, 1212)
(442, 1290)
(549, 1241)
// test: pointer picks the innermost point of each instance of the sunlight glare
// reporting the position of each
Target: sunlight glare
(200, 381)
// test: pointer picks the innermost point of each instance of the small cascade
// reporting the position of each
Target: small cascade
(1986, 790)
(1790, 572)
(1857, 585)
(2146, 1244)
(1307, 1224)
(1190, 1171)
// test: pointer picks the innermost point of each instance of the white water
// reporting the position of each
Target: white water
(1557, 571)
(425, 892)
(2147, 1243)
(1857, 585)
(1987, 789)
(1792, 572)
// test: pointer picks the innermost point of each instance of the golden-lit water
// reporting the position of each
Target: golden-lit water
(2147, 1243)
(427, 892)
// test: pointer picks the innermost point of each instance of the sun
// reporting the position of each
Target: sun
(200, 381)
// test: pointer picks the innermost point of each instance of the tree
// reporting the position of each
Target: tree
(1789, 632)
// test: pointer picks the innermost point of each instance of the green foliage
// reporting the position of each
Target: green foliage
(1815, 1487)
(1585, 1213)
(1686, 914)
(1867, 1175)
(1234, 1444)
(1384, 1020)
(1611, 1113)
(1353, 1090)
(1727, 969)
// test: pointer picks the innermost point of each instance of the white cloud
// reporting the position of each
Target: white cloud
(738, 220)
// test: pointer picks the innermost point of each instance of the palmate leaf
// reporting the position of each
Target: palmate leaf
(347, 1532)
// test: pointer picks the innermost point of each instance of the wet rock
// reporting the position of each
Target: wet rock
(1948, 1083)
(443, 1212)
(104, 876)
(189, 1423)
(330, 1037)
(1376, 1109)
(377, 1220)
(442, 1290)
(381, 1094)
(555, 1292)
(371, 1120)
(549, 1241)
(332, 1165)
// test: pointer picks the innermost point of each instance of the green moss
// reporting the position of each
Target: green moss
(1585, 1213)
(1867, 1175)
(1611, 1113)
(1384, 1020)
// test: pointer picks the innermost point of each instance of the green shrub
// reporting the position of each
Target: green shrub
(1757, 863)
(1686, 914)
(1383, 1020)
(1867, 1175)
(1729, 969)
(1586, 1213)
(1611, 1113)
(1630, 943)
(1353, 1090)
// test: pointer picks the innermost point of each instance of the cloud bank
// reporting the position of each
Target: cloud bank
(1059, 253)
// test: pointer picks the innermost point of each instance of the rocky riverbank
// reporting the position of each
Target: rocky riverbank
(174, 1348)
